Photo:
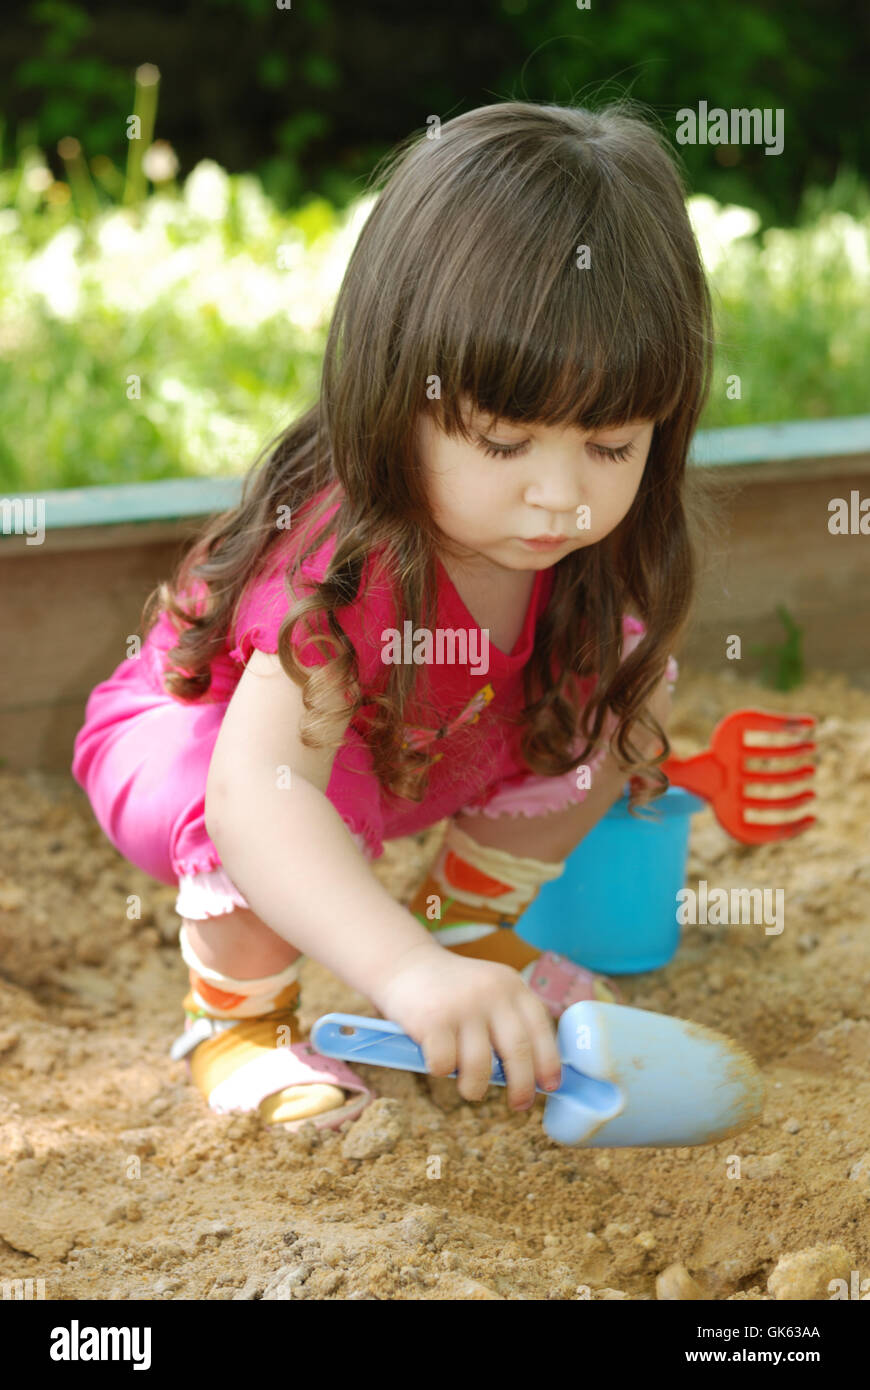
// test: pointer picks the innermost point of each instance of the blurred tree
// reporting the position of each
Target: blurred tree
(310, 96)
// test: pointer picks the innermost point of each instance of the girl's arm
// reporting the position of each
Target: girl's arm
(287, 848)
(289, 852)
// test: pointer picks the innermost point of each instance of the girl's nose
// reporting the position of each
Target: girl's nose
(555, 489)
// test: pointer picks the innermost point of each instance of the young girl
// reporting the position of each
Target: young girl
(450, 591)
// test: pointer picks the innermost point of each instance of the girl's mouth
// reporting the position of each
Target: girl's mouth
(545, 542)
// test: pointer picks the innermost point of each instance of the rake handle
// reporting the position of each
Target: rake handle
(700, 774)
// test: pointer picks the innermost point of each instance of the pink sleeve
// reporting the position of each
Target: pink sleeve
(265, 605)
(263, 608)
(633, 630)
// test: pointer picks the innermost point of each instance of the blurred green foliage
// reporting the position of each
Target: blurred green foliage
(782, 664)
(152, 342)
(810, 60)
(177, 336)
(793, 312)
(310, 96)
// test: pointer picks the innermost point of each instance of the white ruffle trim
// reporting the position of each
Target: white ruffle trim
(209, 894)
(212, 893)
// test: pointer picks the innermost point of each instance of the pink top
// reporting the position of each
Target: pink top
(456, 698)
(143, 756)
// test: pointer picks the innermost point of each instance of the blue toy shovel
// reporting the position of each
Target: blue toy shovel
(629, 1077)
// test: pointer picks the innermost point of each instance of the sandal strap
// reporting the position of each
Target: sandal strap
(202, 1026)
(274, 1070)
(559, 982)
(196, 1031)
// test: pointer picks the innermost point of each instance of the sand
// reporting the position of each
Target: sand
(117, 1183)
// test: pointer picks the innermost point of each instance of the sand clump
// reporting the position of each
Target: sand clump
(117, 1183)
(809, 1274)
(676, 1285)
(377, 1131)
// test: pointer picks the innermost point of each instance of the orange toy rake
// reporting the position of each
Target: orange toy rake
(722, 774)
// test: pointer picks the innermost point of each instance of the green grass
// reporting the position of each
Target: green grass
(782, 664)
(174, 338)
(793, 314)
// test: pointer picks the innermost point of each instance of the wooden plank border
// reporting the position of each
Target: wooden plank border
(65, 622)
(794, 450)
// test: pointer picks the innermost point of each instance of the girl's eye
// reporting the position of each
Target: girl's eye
(493, 450)
(617, 454)
(500, 451)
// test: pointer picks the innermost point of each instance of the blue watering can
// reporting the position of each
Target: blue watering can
(614, 909)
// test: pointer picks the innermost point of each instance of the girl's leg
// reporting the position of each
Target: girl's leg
(240, 944)
(551, 837)
(244, 993)
(242, 1038)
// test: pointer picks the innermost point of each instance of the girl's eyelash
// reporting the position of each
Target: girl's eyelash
(513, 450)
(618, 454)
(500, 451)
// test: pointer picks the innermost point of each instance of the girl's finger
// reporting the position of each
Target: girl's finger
(475, 1059)
(439, 1048)
(547, 1061)
(513, 1041)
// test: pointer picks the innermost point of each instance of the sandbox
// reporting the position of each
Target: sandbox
(117, 1183)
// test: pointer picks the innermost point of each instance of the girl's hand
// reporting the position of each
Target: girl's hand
(456, 1008)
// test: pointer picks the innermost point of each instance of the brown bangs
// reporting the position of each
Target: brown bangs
(527, 334)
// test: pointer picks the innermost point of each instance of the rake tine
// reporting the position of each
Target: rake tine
(783, 803)
(790, 750)
(764, 834)
(760, 721)
(796, 774)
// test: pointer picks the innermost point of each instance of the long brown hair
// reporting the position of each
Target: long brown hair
(466, 274)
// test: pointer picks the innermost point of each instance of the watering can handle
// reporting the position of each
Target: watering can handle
(377, 1043)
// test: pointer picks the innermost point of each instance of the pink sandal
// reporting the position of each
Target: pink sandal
(559, 983)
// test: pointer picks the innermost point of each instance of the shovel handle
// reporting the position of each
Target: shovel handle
(375, 1042)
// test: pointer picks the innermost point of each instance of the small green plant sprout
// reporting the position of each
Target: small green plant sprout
(782, 665)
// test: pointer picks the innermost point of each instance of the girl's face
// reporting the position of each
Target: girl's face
(543, 481)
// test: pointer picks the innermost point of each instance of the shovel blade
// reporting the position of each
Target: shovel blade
(680, 1083)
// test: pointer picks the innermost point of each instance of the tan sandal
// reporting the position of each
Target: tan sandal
(241, 1065)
